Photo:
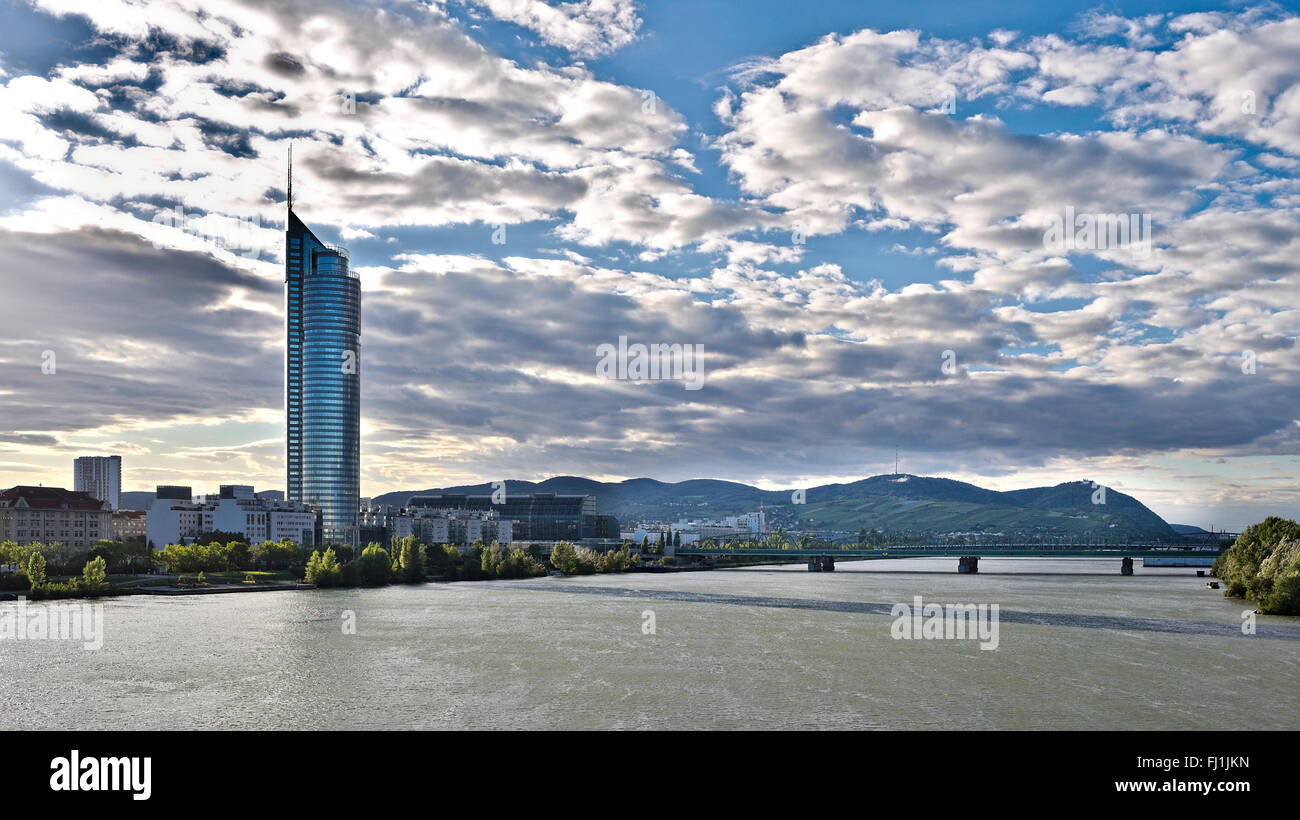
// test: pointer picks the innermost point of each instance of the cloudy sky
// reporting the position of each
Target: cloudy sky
(844, 203)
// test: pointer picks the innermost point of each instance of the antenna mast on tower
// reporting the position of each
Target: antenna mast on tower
(291, 176)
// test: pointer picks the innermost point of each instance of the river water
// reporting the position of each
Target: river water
(1079, 647)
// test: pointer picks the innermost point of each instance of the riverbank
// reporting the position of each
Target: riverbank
(217, 589)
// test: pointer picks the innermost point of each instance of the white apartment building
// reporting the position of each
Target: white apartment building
(439, 526)
(175, 517)
(99, 477)
(755, 522)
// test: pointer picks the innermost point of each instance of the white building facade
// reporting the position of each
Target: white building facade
(175, 518)
(439, 526)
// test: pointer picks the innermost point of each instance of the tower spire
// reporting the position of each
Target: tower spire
(291, 175)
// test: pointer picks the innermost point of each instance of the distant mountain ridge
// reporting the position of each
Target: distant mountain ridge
(890, 503)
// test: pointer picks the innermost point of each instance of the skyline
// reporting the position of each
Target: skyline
(828, 210)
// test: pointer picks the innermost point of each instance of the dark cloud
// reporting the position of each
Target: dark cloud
(138, 333)
(284, 64)
(77, 124)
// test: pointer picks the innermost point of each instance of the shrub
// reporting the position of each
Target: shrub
(56, 590)
(15, 581)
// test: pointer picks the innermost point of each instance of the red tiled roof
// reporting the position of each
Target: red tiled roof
(50, 498)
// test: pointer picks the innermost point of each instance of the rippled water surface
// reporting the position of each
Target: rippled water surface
(771, 647)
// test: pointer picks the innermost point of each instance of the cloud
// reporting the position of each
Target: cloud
(412, 134)
(587, 28)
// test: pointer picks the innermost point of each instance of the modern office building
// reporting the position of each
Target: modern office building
(176, 517)
(49, 515)
(322, 379)
(100, 477)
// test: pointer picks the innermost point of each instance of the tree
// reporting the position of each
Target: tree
(677, 539)
(374, 567)
(472, 569)
(312, 573)
(410, 559)
(493, 560)
(276, 554)
(564, 557)
(324, 570)
(240, 554)
(36, 571)
(113, 553)
(94, 575)
(455, 561)
(436, 561)
(1241, 565)
(1277, 588)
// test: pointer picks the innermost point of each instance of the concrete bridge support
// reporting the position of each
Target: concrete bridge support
(1126, 566)
(821, 563)
(969, 564)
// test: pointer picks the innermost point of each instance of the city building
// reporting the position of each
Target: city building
(755, 522)
(176, 517)
(128, 524)
(99, 477)
(461, 527)
(49, 515)
(536, 517)
(322, 379)
(731, 528)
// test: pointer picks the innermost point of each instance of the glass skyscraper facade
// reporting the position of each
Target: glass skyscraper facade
(322, 380)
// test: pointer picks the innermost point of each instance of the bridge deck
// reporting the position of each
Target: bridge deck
(1101, 551)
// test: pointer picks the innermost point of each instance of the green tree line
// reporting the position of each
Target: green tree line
(1263, 565)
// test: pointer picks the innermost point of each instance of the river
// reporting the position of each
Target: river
(1079, 647)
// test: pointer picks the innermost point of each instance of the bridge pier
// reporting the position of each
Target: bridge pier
(1126, 566)
(821, 563)
(968, 564)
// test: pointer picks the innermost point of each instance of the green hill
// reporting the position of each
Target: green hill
(902, 504)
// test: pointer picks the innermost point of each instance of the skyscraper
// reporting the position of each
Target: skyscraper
(322, 379)
(100, 477)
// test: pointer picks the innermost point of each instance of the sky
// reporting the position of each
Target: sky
(849, 206)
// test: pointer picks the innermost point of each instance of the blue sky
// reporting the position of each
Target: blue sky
(829, 198)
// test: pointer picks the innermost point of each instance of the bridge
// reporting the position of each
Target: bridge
(967, 555)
